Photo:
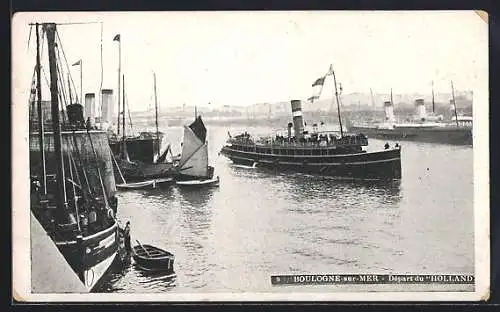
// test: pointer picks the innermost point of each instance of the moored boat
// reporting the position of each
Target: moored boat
(151, 258)
(145, 165)
(193, 168)
(330, 154)
(72, 183)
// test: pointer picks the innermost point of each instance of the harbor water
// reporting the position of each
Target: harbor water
(260, 223)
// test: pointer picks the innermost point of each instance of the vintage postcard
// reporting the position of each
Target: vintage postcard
(250, 156)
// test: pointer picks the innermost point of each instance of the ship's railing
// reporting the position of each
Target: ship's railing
(285, 143)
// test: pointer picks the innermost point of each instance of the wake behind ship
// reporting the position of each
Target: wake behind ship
(72, 182)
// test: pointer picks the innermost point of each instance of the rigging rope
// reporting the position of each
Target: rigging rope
(29, 38)
(102, 78)
(60, 46)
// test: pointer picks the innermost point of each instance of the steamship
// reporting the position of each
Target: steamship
(315, 153)
(423, 128)
(72, 183)
(329, 154)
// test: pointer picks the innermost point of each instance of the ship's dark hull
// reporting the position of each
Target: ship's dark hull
(138, 171)
(374, 165)
(91, 257)
(137, 149)
(441, 135)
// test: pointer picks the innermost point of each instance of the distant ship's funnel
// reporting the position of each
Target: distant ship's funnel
(107, 111)
(290, 126)
(298, 121)
(420, 108)
(90, 106)
(389, 111)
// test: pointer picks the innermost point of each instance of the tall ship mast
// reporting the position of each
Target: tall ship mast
(138, 159)
(142, 147)
(318, 152)
(72, 182)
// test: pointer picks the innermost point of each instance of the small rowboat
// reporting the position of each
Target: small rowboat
(151, 258)
(143, 184)
(194, 183)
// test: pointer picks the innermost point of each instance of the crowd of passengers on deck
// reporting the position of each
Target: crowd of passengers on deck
(314, 139)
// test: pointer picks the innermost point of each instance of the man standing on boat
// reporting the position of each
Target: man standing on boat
(126, 234)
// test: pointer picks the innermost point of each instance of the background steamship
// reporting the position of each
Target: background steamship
(319, 153)
(422, 127)
(72, 183)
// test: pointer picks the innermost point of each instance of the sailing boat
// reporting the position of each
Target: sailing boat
(193, 168)
(72, 183)
(143, 147)
(136, 173)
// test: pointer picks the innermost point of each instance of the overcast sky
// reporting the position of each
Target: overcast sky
(240, 58)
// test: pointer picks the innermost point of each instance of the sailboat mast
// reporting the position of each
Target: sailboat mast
(454, 103)
(119, 76)
(50, 30)
(371, 94)
(39, 108)
(338, 105)
(433, 108)
(100, 84)
(156, 118)
(123, 112)
(195, 113)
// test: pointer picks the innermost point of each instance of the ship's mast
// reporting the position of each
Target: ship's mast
(433, 111)
(69, 91)
(119, 76)
(40, 112)
(373, 101)
(50, 30)
(338, 101)
(392, 103)
(454, 103)
(123, 119)
(100, 84)
(156, 118)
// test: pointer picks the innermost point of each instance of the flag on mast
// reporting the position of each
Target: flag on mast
(116, 38)
(319, 82)
(77, 63)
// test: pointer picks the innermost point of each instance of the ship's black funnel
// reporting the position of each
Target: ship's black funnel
(75, 113)
(298, 121)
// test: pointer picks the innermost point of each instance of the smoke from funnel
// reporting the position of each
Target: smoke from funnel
(298, 121)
